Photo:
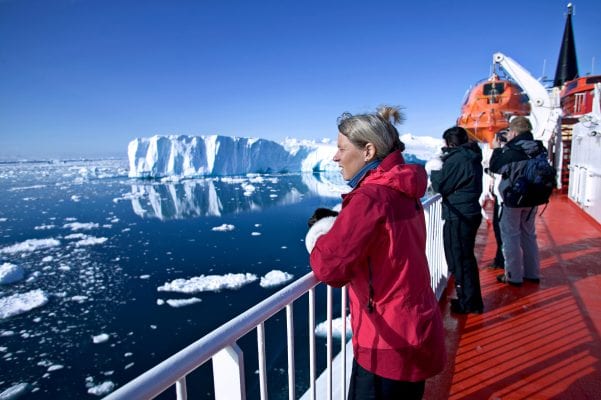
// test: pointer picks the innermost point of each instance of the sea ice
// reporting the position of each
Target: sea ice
(183, 302)
(10, 273)
(275, 278)
(209, 283)
(103, 337)
(15, 391)
(102, 389)
(29, 246)
(77, 226)
(90, 241)
(322, 328)
(21, 302)
(223, 228)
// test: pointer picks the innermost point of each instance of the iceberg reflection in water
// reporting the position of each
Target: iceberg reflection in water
(226, 195)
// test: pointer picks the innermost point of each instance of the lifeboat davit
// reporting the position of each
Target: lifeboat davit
(489, 106)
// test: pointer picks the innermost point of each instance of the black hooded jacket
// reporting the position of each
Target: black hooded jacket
(460, 180)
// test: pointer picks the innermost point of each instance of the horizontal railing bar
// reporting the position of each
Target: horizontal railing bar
(159, 378)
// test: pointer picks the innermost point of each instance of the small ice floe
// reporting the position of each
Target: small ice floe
(75, 198)
(15, 391)
(90, 241)
(55, 367)
(275, 278)
(322, 328)
(255, 233)
(30, 246)
(223, 228)
(3, 219)
(248, 189)
(273, 196)
(47, 259)
(176, 303)
(21, 302)
(16, 189)
(209, 283)
(104, 388)
(11, 273)
(103, 337)
(79, 226)
(160, 302)
(44, 227)
(144, 277)
(76, 236)
(79, 299)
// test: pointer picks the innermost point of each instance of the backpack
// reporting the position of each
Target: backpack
(529, 182)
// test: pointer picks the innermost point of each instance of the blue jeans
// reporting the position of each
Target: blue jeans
(519, 243)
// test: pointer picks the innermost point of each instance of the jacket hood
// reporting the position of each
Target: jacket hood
(393, 172)
(470, 150)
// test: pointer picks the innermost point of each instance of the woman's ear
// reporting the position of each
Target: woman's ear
(370, 152)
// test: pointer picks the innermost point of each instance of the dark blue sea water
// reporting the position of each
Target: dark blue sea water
(119, 239)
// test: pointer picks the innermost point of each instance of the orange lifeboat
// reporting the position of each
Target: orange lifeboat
(577, 96)
(489, 105)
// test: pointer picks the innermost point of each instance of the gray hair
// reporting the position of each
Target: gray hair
(376, 128)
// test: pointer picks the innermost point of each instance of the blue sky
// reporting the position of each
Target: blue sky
(84, 77)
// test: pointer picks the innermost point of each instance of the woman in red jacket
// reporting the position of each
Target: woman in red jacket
(377, 245)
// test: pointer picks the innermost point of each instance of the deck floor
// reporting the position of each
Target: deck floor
(537, 341)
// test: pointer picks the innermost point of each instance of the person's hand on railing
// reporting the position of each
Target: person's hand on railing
(319, 214)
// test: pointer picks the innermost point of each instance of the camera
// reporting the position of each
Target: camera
(502, 136)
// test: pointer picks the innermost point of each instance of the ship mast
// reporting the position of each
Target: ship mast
(567, 64)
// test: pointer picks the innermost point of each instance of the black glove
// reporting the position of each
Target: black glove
(319, 214)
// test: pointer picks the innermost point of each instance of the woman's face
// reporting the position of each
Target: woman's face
(350, 159)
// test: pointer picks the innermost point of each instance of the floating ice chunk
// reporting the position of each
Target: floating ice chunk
(144, 276)
(102, 389)
(44, 227)
(77, 226)
(10, 273)
(15, 189)
(55, 367)
(75, 198)
(160, 302)
(183, 302)
(30, 245)
(90, 241)
(76, 236)
(21, 302)
(255, 233)
(275, 278)
(103, 337)
(79, 299)
(47, 259)
(223, 228)
(322, 328)
(15, 391)
(209, 283)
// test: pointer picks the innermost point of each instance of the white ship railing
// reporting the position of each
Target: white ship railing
(228, 359)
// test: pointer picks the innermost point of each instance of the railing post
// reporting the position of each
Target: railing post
(181, 390)
(228, 374)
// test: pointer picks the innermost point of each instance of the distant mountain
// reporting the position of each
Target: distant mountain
(193, 156)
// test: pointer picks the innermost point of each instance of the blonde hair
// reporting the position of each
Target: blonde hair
(376, 128)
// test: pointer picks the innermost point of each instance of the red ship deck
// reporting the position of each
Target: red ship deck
(537, 341)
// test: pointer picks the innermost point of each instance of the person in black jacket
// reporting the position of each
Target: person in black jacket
(459, 181)
(518, 232)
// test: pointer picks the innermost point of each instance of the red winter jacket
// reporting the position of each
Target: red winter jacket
(382, 225)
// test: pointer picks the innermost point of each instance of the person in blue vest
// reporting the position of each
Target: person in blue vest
(459, 181)
(518, 232)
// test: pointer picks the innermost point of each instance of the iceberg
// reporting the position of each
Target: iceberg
(195, 156)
